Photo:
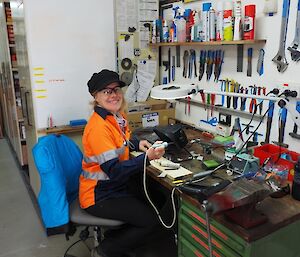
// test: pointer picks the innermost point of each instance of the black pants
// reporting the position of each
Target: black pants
(139, 217)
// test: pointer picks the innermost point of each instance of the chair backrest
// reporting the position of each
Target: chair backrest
(58, 161)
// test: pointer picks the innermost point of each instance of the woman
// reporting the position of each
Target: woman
(103, 190)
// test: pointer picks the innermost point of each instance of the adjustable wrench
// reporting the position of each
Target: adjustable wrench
(280, 58)
(295, 52)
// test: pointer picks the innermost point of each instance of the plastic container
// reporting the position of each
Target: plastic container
(227, 22)
(280, 155)
(249, 22)
(165, 31)
(181, 29)
(219, 20)
(289, 161)
(212, 24)
(237, 32)
(268, 150)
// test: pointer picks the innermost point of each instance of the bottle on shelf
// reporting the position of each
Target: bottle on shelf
(205, 21)
(228, 31)
(249, 22)
(219, 22)
(237, 33)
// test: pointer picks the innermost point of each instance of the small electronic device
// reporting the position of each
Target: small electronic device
(244, 163)
(172, 134)
(163, 144)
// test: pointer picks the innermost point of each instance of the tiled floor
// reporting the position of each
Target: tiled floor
(21, 231)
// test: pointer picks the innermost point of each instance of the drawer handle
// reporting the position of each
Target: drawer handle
(213, 228)
(198, 240)
(203, 233)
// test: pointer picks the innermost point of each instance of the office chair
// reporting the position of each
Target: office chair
(58, 161)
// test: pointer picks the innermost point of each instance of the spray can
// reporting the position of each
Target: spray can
(219, 20)
(205, 20)
(228, 31)
(296, 182)
(165, 31)
(249, 22)
(212, 24)
(237, 31)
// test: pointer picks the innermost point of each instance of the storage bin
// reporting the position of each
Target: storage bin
(268, 150)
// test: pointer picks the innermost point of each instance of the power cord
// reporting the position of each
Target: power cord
(252, 133)
(153, 205)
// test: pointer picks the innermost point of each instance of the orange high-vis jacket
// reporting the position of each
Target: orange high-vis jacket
(106, 165)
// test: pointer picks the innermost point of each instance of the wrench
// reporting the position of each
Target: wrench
(280, 58)
(295, 52)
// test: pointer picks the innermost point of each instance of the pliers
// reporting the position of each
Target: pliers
(209, 62)
(185, 62)
(202, 61)
(218, 64)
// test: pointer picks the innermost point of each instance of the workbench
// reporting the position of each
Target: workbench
(278, 237)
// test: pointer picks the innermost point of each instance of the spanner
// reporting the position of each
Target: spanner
(280, 58)
(295, 52)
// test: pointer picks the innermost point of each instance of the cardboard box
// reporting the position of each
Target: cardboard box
(149, 105)
(157, 115)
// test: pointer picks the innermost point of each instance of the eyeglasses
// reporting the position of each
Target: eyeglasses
(110, 91)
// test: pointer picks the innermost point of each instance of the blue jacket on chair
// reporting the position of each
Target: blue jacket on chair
(58, 160)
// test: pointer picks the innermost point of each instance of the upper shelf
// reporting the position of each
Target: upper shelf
(211, 43)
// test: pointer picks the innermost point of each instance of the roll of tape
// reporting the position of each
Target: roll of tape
(126, 63)
(126, 77)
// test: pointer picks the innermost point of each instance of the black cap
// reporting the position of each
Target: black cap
(102, 79)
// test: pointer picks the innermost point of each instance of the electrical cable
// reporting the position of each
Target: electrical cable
(252, 133)
(275, 91)
(66, 252)
(153, 205)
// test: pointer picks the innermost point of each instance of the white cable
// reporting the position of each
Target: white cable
(152, 204)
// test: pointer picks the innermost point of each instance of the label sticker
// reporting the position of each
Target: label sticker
(150, 119)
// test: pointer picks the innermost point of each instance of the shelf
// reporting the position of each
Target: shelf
(62, 130)
(212, 43)
(14, 69)
(12, 45)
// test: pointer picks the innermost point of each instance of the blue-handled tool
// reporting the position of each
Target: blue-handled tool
(269, 121)
(223, 89)
(173, 68)
(282, 122)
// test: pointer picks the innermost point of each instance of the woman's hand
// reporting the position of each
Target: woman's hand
(155, 153)
(144, 145)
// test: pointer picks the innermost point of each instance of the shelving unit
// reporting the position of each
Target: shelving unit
(212, 43)
(10, 83)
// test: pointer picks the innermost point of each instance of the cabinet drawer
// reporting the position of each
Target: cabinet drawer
(198, 234)
(218, 231)
(188, 250)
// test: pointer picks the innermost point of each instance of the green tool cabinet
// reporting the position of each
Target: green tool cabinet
(279, 237)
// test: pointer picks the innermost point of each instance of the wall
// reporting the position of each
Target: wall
(266, 28)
